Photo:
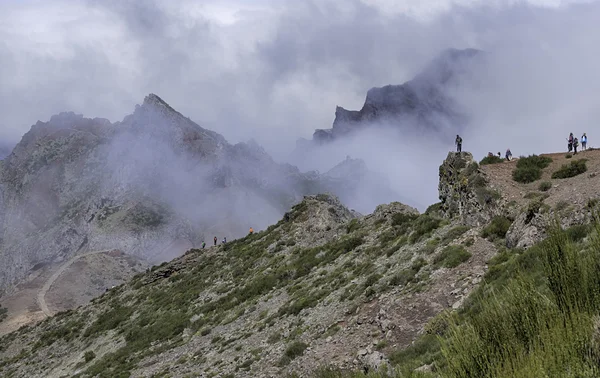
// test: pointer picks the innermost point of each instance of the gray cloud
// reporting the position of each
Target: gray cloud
(277, 73)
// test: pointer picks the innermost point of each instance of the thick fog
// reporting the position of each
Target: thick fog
(275, 70)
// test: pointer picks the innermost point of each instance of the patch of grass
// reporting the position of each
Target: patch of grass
(352, 226)
(294, 350)
(578, 232)
(454, 233)
(540, 322)
(408, 275)
(423, 226)
(88, 356)
(497, 228)
(568, 156)
(574, 168)
(400, 219)
(529, 169)
(545, 186)
(434, 209)
(451, 257)
(491, 160)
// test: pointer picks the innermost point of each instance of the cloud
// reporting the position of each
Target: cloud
(275, 70)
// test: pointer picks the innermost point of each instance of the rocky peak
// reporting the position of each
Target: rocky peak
(422, 100)
(464, 192)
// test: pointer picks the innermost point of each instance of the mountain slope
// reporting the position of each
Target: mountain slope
(145, 186)
(322, 286)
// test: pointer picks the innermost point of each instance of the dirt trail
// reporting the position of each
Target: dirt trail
(41, 297)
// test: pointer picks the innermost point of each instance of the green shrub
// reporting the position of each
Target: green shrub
(545, 186)
(451, 257)
(399, 219)
(434, 209)
(295, 349)
(408, 275)
(491, 160)
(497, 228)
(423, 226)
(89, 355)
(574, 168)
(454, 233)
(539, 322)
(568, 156)
(529, 169)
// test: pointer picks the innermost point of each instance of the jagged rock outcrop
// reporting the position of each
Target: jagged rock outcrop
(422, 100)
(141, 185)
(464, 191)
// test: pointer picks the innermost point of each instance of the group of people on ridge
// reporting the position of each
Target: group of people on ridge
(573, 143)
(224, 239)
(458, 143)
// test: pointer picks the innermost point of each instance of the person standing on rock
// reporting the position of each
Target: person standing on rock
(458, 143)
(508, 154)
(575, 145)
(583, 142)
(215, 240)
(570, 142)
(203, 244)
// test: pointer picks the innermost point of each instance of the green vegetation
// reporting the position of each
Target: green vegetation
(540, 323)
(529, 169)
(497, 228)
(491, 160)
(545, 186)
(574, 168)
(454, 233)
(451, 257)
(89, 355)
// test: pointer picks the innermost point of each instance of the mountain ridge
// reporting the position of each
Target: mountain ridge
(323, 287)
(137, 185)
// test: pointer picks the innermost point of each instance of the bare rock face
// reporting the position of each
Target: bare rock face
(463, 191)
(422, 100)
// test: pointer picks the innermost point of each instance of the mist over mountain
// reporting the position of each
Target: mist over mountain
(152, 185)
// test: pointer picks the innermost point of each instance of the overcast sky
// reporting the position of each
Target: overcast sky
(274, 70)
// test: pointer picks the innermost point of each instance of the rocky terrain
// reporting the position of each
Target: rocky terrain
(325, 286)
(423, 101)
(153, 186)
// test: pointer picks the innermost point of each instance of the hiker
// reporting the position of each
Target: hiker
(224, 240)
(570, 142)
(203, 244)
(251, 231)
(583, 142)
(499, 154)
(575, 144)
(490, 154)
(458, 143)
(215, 240)
(508, 154)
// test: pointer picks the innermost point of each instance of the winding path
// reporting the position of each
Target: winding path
(41, 297)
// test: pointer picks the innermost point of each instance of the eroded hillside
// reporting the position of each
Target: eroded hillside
(323, 287)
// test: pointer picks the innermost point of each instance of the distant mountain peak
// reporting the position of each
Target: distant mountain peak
(421, 101)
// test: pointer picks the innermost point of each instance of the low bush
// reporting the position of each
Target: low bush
(491, 160)
(529, 169)
(574, 168)
(451, 257)
(497, 228)
(545, 186)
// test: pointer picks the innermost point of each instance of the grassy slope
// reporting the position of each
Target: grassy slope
(232, 299)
